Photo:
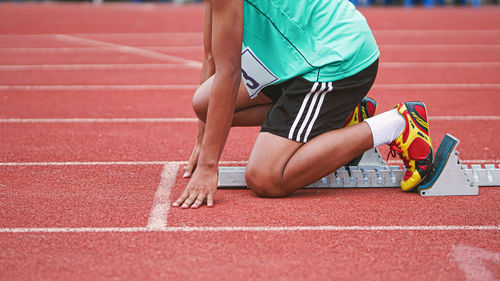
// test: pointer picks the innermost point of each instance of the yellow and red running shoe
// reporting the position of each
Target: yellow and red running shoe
(365, 109)
(414, 145)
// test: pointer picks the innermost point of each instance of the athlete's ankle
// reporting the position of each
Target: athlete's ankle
(386, 127)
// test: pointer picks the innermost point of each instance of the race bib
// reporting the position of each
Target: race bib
(254, 73)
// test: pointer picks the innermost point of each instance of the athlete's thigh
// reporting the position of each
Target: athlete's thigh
(202, 94)
(244, 101)
(269, 156)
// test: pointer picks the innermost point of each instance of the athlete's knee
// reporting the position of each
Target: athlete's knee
(263, 183)
(200, 104)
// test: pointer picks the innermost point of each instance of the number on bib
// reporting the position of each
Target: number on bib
(255, 73)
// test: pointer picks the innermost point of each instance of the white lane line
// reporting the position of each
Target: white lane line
(127, 49)
(477, 161)
(199, 35)
(465, 118)
(143, 66)
(258, 228)
(165, 66)
(446, 46)
(111, 163)
(225, 163)
(151, 35)
(469, 161)
(145, 35)
(427, 65)
(76, 229)
(473, 260)
(188, 48)
(98, 87)
(91, 163)
(401, 86)
(194, 120)
(439, 86)
(405, 32)
(161, 202)
(99, 120)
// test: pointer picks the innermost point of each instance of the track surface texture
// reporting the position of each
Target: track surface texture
(96, 124)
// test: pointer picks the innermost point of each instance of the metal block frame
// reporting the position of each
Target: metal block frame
(448, 176)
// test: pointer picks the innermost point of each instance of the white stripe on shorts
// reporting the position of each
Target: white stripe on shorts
(318, 109)
(301, 110)
(310, 110)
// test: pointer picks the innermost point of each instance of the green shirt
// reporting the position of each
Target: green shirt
(319, 40)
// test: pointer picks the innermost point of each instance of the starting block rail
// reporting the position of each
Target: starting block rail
(448, 176)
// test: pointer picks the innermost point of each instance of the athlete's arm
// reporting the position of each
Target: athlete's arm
(208, 67)
(207, 70)
(227, 33)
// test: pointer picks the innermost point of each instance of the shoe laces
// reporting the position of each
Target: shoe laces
(395, 150)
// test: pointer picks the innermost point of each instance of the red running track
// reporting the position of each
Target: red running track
(173, 141)
(109, 103)
(85, 195)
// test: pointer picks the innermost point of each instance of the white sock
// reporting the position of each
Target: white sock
(386, 127)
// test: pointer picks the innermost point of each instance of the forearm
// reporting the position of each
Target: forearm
(219, 118)
(208, 68)
(227, 33)
(226, 18)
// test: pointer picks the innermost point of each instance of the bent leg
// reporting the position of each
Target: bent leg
(278, 166)
(248, 112)
(304, 139)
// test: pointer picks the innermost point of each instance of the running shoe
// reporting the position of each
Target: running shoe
(414, 145)
(364, 110)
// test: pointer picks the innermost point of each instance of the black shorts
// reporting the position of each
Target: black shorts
(303, 109)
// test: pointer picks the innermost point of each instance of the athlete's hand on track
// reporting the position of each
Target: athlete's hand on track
(201, 186)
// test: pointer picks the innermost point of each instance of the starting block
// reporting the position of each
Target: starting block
(447, 177)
